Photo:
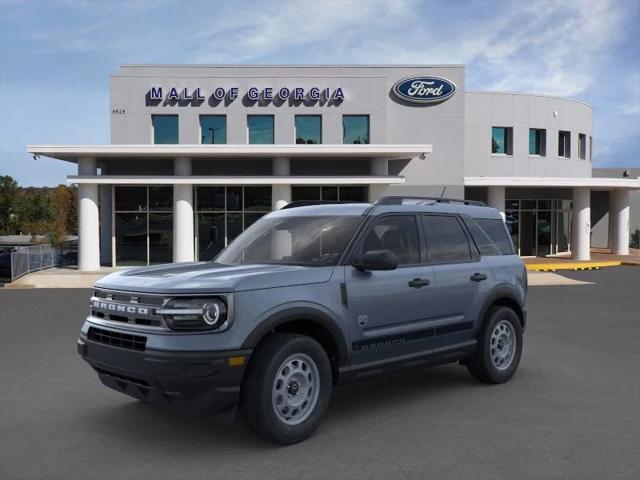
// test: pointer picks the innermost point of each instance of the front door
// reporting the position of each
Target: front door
(389, 309)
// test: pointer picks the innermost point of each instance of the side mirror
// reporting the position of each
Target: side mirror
(377, 260)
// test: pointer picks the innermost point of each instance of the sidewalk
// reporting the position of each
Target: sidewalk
(60, 278)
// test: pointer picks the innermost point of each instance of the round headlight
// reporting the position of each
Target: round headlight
(214, 312)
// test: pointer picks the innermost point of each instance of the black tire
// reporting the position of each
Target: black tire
(481, 365)
(256, 398)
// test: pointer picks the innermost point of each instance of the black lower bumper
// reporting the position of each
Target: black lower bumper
(200, 380)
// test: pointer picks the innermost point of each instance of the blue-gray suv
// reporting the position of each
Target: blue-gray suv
(308, 297)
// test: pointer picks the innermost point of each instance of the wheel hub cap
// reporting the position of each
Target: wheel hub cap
(503, 345)
(295, 389)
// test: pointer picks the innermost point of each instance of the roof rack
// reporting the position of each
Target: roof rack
(398, 200)
(307, 203)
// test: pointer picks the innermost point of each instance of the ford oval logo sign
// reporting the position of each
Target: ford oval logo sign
(424, 89)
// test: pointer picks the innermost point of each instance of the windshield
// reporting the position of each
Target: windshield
(310, 241)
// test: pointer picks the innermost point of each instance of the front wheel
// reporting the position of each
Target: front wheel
(499, 346)
(287, 388)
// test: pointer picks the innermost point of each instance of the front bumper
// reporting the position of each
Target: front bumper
(200, 380)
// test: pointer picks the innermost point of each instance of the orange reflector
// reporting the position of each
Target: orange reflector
(236, 361)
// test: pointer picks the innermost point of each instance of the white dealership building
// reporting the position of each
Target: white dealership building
(199, 152)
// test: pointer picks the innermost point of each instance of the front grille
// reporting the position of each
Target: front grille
(131, 308)
(117, 339)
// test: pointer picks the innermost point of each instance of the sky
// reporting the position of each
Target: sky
(56, 56)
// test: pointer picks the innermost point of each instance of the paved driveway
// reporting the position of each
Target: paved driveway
(572, 411)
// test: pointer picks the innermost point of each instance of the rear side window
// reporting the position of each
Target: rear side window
(497, 232)
(446, 240)
(480, 237)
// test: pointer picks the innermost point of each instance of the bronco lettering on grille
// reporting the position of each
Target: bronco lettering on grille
(117, 307)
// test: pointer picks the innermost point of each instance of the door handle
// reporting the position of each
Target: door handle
(478, 277)
(419, 282)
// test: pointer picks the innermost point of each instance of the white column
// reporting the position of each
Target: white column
(280, 193)
(88, 219)
(581, 224)
(378, 167)
(496, 199)
(183, 234)
(619, 217)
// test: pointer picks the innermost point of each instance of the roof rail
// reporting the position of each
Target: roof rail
(307, 203)
(398, 200)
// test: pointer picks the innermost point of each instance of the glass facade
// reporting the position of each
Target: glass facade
(143, 221)
(355, 129)
(222, 213)
(502, 140)
(261, 129)
(165, 129)
(213, 129)
(308, 129)
(539, 227)
(537, 141)
(344, 193)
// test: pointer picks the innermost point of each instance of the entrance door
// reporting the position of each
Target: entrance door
(544, 233)
(527, 233)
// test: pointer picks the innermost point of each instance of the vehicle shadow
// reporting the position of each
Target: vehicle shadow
(190, 432)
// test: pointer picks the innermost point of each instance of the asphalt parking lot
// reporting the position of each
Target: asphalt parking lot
(572, 411)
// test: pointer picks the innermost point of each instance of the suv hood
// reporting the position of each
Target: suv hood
(206, 277)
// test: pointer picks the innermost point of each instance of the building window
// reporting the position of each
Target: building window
(355, 129)
(345, 193)
(590, 148)
(537, 142)
(165, 129)
(564, 144)
(261, 130)
(222, 213)
(308, 129)
(213, 129)
(143, 220)
(502, 140)
(582, 146)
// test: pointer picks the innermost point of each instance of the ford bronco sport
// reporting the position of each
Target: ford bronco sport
(309, 297)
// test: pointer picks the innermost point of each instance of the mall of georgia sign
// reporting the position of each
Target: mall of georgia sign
(423, 89)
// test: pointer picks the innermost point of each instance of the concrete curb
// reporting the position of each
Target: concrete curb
(575, 266)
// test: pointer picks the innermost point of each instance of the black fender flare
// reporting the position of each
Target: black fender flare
(503, 291)
(296, 313)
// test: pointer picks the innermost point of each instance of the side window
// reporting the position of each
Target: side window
(398, 233)
(495, 228)
(446, 240)
(480, 237)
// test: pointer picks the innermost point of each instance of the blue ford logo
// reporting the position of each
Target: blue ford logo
(424, 89)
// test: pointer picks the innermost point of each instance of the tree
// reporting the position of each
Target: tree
(9, 193)
(65, 216)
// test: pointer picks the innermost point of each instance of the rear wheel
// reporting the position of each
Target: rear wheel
(287, 388)
(499, 346)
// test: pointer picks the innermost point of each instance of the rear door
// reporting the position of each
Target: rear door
(388, 309)
(461, 276)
